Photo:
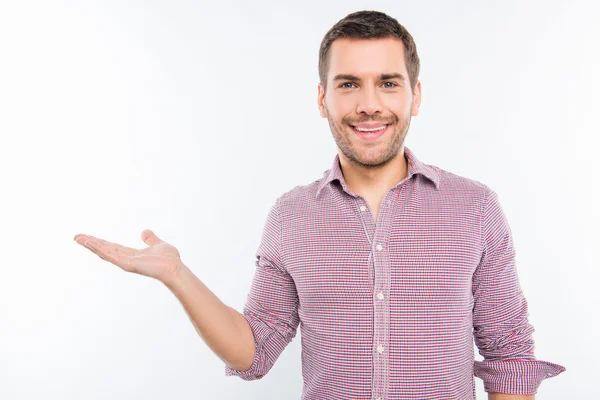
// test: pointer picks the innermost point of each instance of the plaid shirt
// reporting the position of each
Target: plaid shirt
(390, 310)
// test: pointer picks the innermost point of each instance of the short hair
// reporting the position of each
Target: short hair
(370, 25)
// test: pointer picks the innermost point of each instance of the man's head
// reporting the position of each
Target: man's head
(369, 76)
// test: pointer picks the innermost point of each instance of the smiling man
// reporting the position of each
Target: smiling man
(391, 267)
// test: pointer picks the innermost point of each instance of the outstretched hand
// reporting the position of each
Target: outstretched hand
(160, 260)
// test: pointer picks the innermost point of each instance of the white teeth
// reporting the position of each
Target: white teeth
(370, 130)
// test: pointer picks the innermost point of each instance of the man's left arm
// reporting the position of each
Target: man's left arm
(501, 328)
(502, 396)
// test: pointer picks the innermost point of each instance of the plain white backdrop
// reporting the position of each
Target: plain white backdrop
(190, 118)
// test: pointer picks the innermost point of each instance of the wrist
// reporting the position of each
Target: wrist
(175, 277)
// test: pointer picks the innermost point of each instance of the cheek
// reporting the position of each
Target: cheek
(397, 105)
(340, 106)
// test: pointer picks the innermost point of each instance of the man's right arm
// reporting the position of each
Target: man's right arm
(250, 342)
(225, 330)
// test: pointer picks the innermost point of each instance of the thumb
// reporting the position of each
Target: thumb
(150, 238)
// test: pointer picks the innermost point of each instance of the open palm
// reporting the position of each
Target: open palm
(158, 261)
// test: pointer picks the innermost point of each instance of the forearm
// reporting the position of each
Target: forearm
(502, 396)
(225, 330)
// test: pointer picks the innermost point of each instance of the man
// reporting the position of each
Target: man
(392, 266)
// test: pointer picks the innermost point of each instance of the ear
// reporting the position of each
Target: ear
(321, 101)
(414, 111)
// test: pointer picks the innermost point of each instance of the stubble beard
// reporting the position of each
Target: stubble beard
(342, 131)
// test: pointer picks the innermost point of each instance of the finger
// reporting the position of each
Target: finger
(111, 252)
(77, 238)
(117, 248)
(105, 247)
(150, 237)
(81, 238)
(87, 241)
(101, 243)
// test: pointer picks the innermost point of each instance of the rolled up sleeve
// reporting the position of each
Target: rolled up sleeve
(271, 307)
(501, 328)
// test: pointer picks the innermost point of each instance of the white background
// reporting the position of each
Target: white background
(191, 118)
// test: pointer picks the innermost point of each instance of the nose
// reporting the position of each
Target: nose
(368, 102)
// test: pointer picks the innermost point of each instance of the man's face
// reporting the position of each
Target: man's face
(362, 90)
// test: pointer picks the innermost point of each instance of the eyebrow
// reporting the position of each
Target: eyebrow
(383, 77)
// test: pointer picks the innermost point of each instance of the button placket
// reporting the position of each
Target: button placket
(378, 234)
(382, 282)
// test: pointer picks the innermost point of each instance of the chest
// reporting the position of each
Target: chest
(418, 255)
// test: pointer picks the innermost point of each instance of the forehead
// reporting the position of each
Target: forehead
(366, 56)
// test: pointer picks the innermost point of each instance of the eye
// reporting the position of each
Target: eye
(345, 83)
(390, 87)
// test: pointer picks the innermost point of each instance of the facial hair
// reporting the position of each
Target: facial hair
(343, 130)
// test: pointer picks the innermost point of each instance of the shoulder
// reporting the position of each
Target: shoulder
(451, 183)
(300, 196)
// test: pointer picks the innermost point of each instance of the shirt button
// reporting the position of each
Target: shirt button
(363, 208)
(380, 295)
(380, 349)
(379, 247)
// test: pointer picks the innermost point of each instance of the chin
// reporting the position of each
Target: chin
(372, 160)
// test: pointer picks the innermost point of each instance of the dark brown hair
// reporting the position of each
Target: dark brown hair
(369, 25)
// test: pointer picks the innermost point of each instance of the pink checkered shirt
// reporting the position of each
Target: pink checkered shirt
(390, 310)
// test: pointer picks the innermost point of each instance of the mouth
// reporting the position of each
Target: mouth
(370, 134)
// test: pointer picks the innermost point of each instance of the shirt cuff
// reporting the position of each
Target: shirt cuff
(515, 376)
(250, 374)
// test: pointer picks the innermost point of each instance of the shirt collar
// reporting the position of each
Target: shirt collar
(414, 167)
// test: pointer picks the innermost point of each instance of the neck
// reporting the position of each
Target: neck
(364, 180)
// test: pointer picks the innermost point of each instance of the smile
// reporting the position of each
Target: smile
(370, 134)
